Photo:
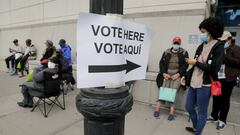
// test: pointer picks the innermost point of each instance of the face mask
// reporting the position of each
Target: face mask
(51, 65)
(226, 45)
(204, 37)
(61, 45)
(175, 46)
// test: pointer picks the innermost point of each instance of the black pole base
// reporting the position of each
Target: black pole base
(104, 109)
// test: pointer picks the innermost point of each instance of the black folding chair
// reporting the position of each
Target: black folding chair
(52, 88)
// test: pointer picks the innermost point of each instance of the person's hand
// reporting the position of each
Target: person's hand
(166, 76)
(183, 81)
(191, 61)
(175, 76)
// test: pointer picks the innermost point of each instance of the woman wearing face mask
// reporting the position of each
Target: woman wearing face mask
(227, 76)
(37, 83)
(206, 64)
(172, 67)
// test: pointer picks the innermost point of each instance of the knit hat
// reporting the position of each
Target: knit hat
(49, 42)
(62, 42)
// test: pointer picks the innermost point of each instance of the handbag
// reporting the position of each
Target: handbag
(19, 65)
(43, 61)
(29, 76)
(216, 88)
(167, 94)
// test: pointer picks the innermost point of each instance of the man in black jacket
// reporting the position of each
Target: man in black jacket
(227, 76)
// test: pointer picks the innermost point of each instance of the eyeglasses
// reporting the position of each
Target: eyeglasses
(176, 43)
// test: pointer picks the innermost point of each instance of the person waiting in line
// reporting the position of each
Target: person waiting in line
(30, 51)
(37, 82)
(49, 52)
(227, 76)
(18, 53)
(206, 64)
(172, 67)
(66, 53)
(11, 58)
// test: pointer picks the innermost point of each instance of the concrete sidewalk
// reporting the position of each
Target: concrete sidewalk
(15, 120)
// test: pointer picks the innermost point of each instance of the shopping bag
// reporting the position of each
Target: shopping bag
(167, 94)
(19, 65)
(29, 76)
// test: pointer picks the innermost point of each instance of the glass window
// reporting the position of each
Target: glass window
(228, 2)
(229, 15)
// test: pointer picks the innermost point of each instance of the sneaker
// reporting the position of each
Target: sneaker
(8, 70)
(21, 104)
(210, 119)
(190, 129)
(171, 117)
(20, 74)
(156, 114)
(221, 125)
(13, 72)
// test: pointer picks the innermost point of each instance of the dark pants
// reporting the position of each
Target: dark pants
(27, 98)
(197, 107)
(8, 59)
(17, 61)
(68, 76)
(221, 104)
(23, 62)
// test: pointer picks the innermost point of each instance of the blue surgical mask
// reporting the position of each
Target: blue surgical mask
(226, 45)
(175, 46)
(203, 37)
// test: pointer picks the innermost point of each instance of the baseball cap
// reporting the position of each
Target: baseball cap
(225, 35)
(177, 40)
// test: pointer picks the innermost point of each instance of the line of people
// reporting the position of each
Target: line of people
(18, 57)
(216, 58)
(56, 60)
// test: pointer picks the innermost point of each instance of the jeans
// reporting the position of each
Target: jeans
(221, 104)
(197, 107)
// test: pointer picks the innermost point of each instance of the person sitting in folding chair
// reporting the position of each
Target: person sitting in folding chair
(37, 83)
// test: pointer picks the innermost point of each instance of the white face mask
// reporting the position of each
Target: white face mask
(51, 65)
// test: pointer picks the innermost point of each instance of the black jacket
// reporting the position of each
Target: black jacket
(232, 62)
(212, 65)
(164, 62)
(48, 53)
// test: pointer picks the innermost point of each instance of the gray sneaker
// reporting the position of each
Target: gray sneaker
(221, 125)
(13, 72)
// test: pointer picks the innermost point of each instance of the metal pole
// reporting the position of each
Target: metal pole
(104, 109)
(106, 6)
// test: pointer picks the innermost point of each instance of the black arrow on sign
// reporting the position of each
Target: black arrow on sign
(113, 68)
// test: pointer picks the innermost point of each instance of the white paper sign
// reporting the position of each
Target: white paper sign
(110, 51)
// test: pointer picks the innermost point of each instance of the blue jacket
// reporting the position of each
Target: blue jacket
(66, 52)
